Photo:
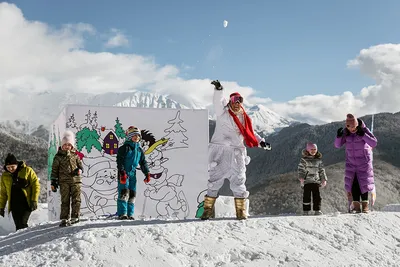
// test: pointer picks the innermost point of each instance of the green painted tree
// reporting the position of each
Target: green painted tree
(119, 131)
(52, 151)
(89, 139)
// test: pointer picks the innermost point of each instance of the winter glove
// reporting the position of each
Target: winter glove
(217, 85)
(147, 179)
(54, 185)
(123, 176)
(2, 212)
(34, 205)
(360, 131)
(77, 172)
(323, 184)
(266, 146)
(340, 132)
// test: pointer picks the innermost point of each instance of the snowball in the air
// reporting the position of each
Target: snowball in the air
(225, 23)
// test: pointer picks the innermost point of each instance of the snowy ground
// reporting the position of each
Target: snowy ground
(38, 216)
(328, 240)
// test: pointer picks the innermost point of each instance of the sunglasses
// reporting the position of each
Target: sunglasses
(236, 99)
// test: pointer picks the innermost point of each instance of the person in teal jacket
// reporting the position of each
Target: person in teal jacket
(129, 156)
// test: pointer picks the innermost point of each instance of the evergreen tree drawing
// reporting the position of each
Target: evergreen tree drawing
(176, 137)
(90, 121)
(88, 138)
(71, 123)
(119, 131)
(93, 120)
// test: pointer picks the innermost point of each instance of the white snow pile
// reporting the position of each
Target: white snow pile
(327, 240)
(38, 216)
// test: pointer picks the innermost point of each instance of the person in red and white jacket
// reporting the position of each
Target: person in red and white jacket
(227, 151)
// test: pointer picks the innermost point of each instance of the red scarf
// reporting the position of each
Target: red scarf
(246, 130)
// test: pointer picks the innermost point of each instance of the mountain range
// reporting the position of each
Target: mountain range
(41, 109)
(271, 175)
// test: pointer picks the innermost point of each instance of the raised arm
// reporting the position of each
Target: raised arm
(219, 100)
(370, 138)
(340, 138)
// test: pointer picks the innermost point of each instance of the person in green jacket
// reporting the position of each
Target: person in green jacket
(20, 187)
(66, 173)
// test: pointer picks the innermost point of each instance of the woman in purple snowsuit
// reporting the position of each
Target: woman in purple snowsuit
(359, 173)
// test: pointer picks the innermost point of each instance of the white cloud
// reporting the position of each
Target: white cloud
(382, 63)
(38, 58)
(117, 39)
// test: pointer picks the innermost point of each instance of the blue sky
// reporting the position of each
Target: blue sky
(283, 49)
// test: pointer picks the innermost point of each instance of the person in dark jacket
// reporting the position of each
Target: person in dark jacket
(129, 155)
(20, 187)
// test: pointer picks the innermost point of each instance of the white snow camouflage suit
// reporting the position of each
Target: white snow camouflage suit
(227, 153)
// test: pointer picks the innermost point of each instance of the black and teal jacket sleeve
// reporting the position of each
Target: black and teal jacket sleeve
(143, 163)
(121, 158)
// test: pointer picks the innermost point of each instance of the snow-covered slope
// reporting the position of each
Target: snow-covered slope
(328, 240)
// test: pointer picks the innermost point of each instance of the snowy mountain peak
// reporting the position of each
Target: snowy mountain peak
(266, 121)
(42, 108)
(150, 100)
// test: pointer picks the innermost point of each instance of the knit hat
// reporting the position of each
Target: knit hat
(236, 97)
(68, 138)
(11, 160)
(351, 121)
(132, 130)
(311, 146)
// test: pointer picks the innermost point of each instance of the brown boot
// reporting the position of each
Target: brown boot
(356, 206)
(209, 211)
(240, 205)
(365, 208)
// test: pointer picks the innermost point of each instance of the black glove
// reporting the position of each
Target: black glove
(217, 85)
(360, 131)
(76, 172)
(340, 132)
(54, 185)
(266, 146)
(34, 205)
(2, 212)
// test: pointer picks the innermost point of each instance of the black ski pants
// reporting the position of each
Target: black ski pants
(311, 189)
